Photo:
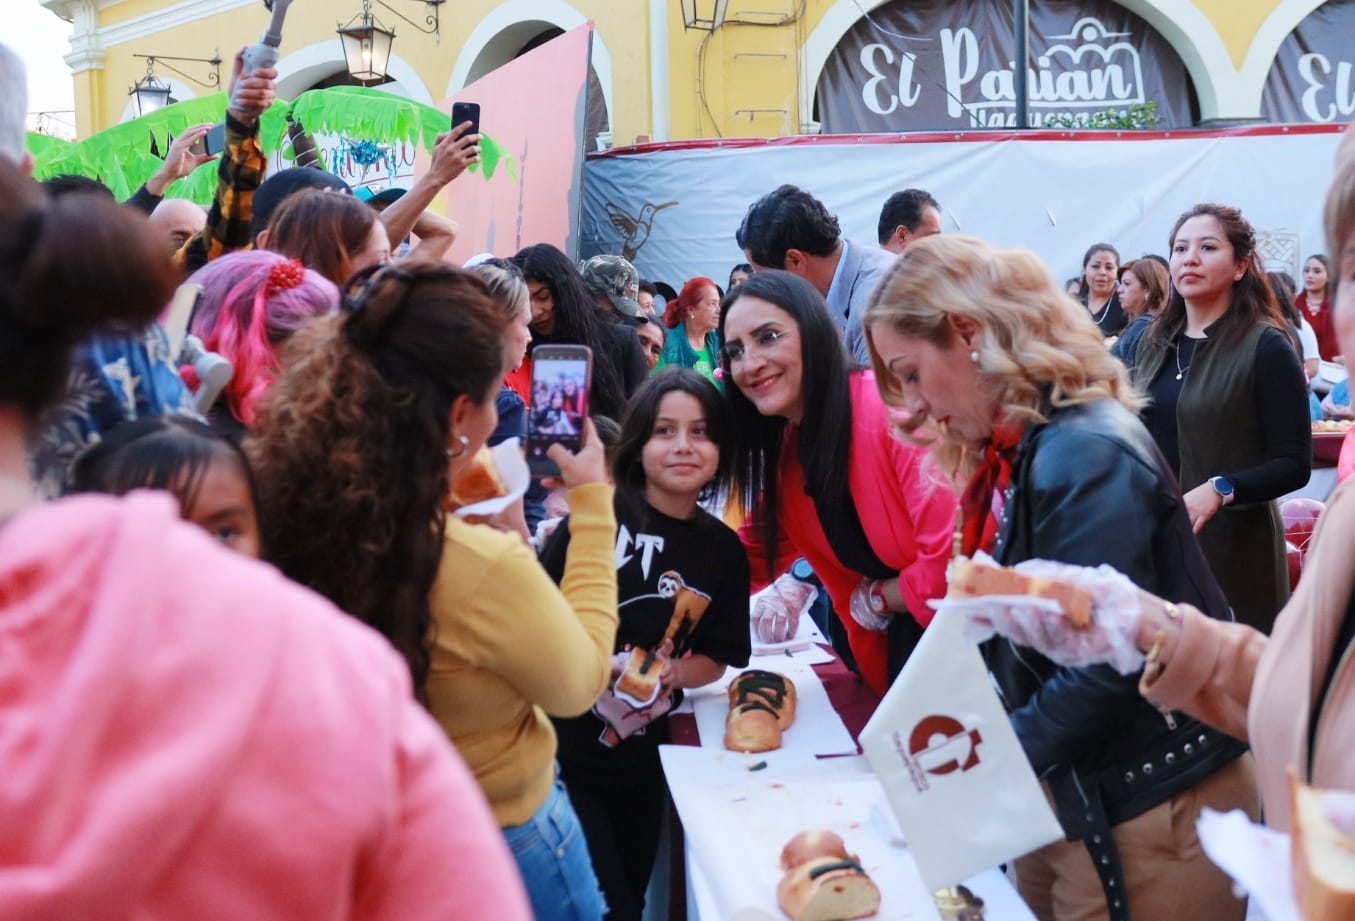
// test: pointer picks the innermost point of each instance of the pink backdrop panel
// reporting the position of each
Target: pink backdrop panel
(534, 106)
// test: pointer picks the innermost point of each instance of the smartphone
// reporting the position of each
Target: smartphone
(562, 376)
(213, 142)
(466, 112)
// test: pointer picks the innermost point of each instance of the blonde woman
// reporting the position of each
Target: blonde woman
(1040, 435)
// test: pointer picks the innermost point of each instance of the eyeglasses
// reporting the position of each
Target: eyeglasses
(764, 343)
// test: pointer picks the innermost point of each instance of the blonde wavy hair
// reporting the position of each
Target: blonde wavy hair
(1038, 345)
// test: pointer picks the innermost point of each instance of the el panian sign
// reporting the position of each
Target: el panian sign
(922, 66)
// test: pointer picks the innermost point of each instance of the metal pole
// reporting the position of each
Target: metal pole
(1022, 63)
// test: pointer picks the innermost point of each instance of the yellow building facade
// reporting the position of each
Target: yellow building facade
(754, 76)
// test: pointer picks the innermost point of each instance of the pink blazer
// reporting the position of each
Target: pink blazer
(907, 512)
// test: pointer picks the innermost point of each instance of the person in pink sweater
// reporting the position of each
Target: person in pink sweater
(186, 734)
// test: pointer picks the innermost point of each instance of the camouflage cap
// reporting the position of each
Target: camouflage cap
(617, 279)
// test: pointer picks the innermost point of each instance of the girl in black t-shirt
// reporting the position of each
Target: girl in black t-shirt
(682, 579)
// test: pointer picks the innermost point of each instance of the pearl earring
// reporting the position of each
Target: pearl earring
(464, 442)
(974, 356)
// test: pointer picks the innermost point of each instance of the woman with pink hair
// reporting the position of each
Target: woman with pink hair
(252, 303)
(692, 320)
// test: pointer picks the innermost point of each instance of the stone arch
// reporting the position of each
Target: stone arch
(1285, 18)
(1188, 31)
(509, 26)
(305, 67)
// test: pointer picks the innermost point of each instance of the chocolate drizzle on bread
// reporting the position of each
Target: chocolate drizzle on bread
(761, 706)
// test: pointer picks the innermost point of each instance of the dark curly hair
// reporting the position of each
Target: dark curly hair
(577, 322)
(350, 448)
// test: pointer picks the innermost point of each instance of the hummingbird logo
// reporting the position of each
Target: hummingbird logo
(636, 230)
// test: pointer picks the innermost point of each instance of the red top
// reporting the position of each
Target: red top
(1319, 318)
(907, 512)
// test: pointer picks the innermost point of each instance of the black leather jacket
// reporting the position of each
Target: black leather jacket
(1090, 487)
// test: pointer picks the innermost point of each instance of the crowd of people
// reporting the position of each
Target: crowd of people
(253, 658)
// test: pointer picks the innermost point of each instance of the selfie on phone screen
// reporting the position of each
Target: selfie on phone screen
(559, 403)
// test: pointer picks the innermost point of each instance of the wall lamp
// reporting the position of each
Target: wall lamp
(708, 15)
(152, 93)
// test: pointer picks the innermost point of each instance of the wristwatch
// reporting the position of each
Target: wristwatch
(1224, 487)
(801, 570)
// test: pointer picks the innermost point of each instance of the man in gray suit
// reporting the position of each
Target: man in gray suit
(792, 230)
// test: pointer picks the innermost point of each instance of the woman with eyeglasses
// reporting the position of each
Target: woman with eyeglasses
(823, 477)
(354, 453)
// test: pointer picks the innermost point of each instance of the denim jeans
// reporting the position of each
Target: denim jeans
(552, 856)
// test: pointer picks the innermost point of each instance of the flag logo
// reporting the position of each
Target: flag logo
(938, 745)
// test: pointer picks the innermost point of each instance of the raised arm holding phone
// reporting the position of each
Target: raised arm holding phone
(452, 154)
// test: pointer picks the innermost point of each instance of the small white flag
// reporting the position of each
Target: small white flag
(942, 746)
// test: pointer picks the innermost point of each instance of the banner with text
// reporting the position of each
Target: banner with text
(917, 65)
(674, 211)
(1313, 77)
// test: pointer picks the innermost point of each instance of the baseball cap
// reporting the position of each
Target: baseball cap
(618, 280)
(386, 196)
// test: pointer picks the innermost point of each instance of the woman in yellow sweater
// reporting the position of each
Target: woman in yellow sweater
(354, 453)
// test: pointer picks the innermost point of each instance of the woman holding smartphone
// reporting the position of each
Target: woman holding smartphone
(407, 383)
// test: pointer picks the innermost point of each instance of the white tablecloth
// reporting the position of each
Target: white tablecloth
(737, 820)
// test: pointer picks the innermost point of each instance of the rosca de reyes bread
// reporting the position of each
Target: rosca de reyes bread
(641, 676)
(1323, 858)
(823, 882)
(478, 482)
(761, 706)
(772, 688)
(969, 579)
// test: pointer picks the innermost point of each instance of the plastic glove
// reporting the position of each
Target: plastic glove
(1340, 808)
(778, 608)
(1039, 622)
(861, 609)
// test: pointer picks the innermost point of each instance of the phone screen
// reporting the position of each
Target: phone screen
(558, 408)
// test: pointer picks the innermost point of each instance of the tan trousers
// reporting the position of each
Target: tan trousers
(1166, 872)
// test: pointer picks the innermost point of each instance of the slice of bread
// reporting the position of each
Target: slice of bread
(479, 481)
(641, 677)
(969, 579)
(1323, 858)
(828, 889)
